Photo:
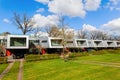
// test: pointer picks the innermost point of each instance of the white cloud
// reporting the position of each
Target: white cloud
(43, 21)
(87, 27)
(71, 8)
(40, 10)
(118, 8)
(6, 20)
(42, 1)
(92, 5)
(114, 2)
(113, 5)
(40, 33)
(69, 30)
(113, 25)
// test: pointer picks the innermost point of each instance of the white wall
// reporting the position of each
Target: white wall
(82, 43)
(17, 47)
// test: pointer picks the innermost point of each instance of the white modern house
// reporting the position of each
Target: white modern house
(117, 43)
(2, 40)
(108, 43)
(98, 43)
(91, 43)
(17, 45)
(34, 41)
(17, 42)
(70, 43)
(81, 43)
(21, 44)
(51, 42)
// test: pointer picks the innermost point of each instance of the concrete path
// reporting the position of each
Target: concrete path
(20, 74)
(6, 70)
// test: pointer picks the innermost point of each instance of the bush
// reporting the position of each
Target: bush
(99, 52)
(114, 51)
(41, 57)
(3, 60)
(32, 57)
(72, 55)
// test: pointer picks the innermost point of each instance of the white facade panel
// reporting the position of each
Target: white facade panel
(71, 43)
(81, 43)
(117, 43)
(98, 43)
(55, 42)
(50, 42)
(17, 42)
(44, 42)
(109, 43)
(34, 41)
(91, 43)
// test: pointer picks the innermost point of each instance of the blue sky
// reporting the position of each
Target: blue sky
(79, 14)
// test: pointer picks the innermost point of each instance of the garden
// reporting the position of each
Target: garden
(93, 65)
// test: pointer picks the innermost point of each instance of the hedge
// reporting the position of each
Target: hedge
(3, 60)
(32, 57)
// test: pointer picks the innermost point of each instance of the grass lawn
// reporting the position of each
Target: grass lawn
(75, 69)
(103, 57)
(12, 74)
(3, 67)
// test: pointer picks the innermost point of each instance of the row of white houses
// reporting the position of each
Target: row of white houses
(21, 44)
(24, 41)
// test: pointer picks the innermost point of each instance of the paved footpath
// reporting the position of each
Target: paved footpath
(20, 74)
(6, 70)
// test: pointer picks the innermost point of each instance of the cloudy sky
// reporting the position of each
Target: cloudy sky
(86, 14)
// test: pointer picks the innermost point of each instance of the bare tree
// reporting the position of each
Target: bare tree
(36, 31)
(2, 50)
(117, 37)
(69, 34)
(105, 36)
(24, 23)
(93, 34)
(5, 33)
(53, 31)
(62, 26)
(97, 34)
(82, 34)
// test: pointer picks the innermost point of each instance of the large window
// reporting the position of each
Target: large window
(109, 43)
(69, 43)
(34, 42)
(56, 42)
(118, 43)
(97, 42)
(80, 43)
(44, 41)
(0, 41)
(17, 41)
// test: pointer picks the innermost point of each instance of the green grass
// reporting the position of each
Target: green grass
(3, 67)
(13, 73)
(73, 70)
(104, 58)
